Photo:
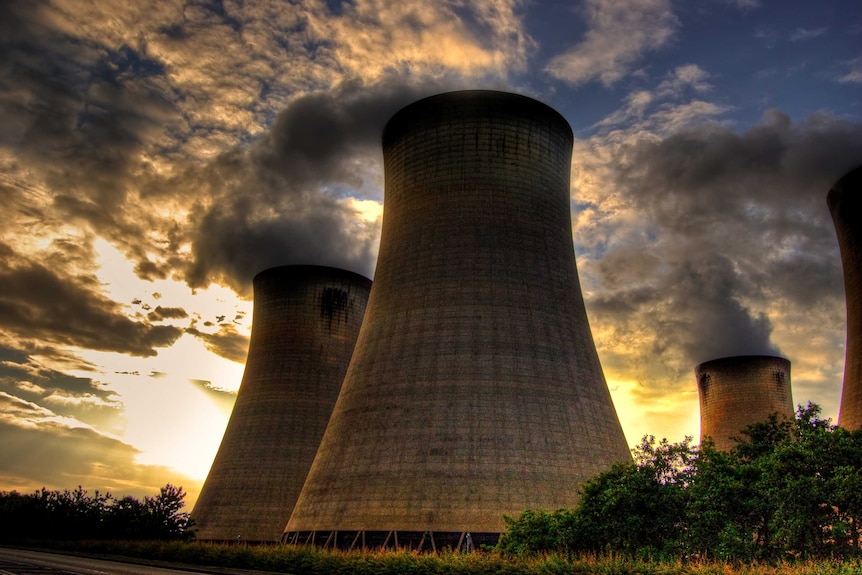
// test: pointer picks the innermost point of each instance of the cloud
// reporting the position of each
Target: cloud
(852, 72)
(286, 199)
(635, 119)
(801, 34)
(689, 76)
(618, 35)
(767, 35)
(109, 134)
(664, 109)
(697, 242)
(374, 38)
(40, 449)
(129, 127)
(227, 342)
(162, 313)
(222, 398)
(38, 304)
(31, 372)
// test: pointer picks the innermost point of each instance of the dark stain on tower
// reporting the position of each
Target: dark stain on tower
(306, 321)
(475, 389)
(334, 304)
(845, 204)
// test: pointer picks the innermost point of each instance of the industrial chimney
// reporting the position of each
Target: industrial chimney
(736, 392)
(845, 203)
(306, 320)
(475, 389)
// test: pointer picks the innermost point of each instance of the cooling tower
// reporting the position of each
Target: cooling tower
(845, 203)
(475, 388)
(738, 391)
(305, 324)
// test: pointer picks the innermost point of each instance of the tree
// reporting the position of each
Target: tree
(165, 519)
(64, 515)
(634, 508)
(788, 489)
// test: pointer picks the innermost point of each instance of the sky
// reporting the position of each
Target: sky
(156, 155)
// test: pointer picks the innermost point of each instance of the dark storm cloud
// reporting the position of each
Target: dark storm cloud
(108, 127)
(771, 171)
(37, 303)
(317, 135)
(81, 115)
(279, 202)
(78, 107)
(704, 317)
(234, 241)
(226, 342)
(162, 313)
(732, 227)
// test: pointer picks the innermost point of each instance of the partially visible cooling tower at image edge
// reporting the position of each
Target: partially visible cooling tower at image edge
(475, 389)
(739, 391)
(845, 204)
(306, 321)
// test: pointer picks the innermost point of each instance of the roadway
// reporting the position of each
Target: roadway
(27, 562)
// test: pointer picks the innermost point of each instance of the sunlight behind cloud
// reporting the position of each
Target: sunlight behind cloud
(190, 425)
(160, 389)
(368, 210)
(189, 429)
(122, 285)
(168, 417)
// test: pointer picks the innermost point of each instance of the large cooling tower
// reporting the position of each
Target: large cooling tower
(475, 388)
(845, 203)
(739, 391)
(306, 320)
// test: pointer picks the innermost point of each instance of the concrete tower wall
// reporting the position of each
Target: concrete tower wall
(845, 203)
(738, 391)
(306, 320)
(475, 389)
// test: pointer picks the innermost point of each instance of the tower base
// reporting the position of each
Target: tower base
(434, 541)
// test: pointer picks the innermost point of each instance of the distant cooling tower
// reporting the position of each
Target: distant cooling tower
(475, 388)
(738, 391)
(306, 320)
(845, 203)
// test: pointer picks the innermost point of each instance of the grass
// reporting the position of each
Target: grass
(308, 561)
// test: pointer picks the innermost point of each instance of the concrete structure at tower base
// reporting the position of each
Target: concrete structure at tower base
(845, 204)
(475, 389)
(306, 321)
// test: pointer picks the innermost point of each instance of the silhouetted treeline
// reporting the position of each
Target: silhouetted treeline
(788, 489)
(68, 515)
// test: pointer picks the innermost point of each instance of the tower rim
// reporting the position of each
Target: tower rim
(733, 359)
(309, 270)
(391, 128)
(838, 189)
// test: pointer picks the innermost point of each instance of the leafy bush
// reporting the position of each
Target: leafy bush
(787, 490)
